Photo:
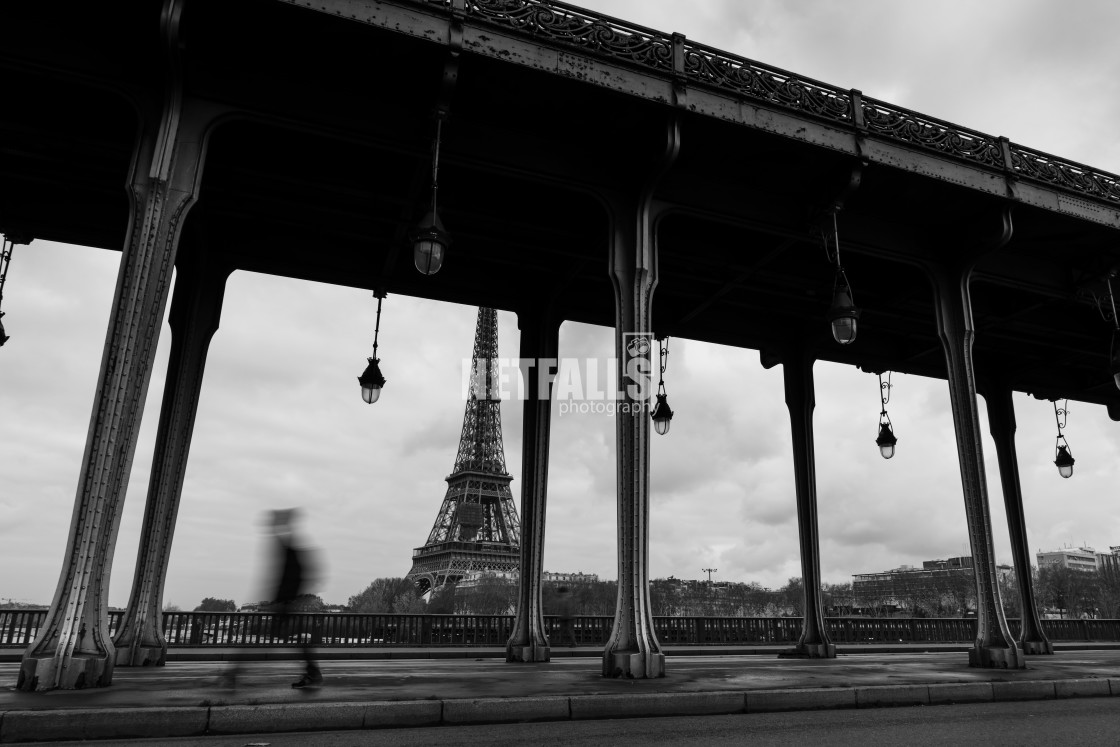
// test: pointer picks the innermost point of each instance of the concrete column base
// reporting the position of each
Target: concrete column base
(997, 658)
(1037, 647)
(634, 666)
(37, 673)
(810, 651)
(142, 656)
(530, 653)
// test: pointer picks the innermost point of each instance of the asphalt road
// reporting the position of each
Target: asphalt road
(1085, 722)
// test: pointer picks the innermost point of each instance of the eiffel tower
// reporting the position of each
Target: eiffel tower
(477, 528)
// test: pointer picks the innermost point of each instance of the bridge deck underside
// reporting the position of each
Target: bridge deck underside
(322, 172)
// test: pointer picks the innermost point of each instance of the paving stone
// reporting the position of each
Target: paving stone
(494, 710)
(656, 704)
(273, 717)
(806, 699)
(102, 723)
(892, 695)
(1081, 688)
(402, 713)
(961, 692)
(1030, 690)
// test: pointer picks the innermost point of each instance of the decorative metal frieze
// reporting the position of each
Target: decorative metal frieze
(917, 129)
(1066, 174)
(715, 68)
(594, 33)
(665, 54)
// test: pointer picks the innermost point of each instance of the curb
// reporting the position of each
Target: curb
(156, 723)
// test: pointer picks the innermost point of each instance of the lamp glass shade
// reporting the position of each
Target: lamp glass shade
(844, 316)
(886, 440)
(371, 381)
(661, 415)
(427, 254)
(1064, 461)
(429, 243)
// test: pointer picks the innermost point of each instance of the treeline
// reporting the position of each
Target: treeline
(497, 595)
(1058, 591)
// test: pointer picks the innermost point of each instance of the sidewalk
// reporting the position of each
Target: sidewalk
(423, 687)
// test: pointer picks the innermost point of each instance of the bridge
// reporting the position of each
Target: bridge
(588, 170)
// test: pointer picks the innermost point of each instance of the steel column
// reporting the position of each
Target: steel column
(73, 649)
(994, 645)
(195, 312)
(633, 649)
(1001, 423)
(540, 343)
(797, 370)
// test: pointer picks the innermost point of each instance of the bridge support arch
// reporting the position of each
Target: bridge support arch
(994, 645)
(540, 342)
(195, 313)
(73, 649)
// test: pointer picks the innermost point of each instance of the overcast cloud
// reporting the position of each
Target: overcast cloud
(281, 422)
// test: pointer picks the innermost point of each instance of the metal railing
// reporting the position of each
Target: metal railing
(672, 55)
(259, 629)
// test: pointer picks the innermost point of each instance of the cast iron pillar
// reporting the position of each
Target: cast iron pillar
(994, 645)
(195, 312)
(72, 649)
(1001, 423)
(797, 370)
(633, 649)
(539, 343)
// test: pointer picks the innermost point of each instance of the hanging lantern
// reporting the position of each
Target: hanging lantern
(1064, 461)
(1063, 458)
(886, 440)
(662, 414)
(371, 379)
(843, 314)
(430, 241)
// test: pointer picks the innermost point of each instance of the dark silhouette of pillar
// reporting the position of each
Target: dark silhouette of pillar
(539, 342)
(993, 646)
(797, 370)
(73, 649)
(195, 311)
(1001, 423)
(632, 649)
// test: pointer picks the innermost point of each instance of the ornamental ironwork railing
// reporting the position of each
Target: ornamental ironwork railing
(337, 630)
(673, 55)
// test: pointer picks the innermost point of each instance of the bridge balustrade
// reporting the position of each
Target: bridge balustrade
(260, 629)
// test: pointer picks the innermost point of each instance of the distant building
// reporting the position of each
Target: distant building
(570, 578)
(474, 578)
(1109, 562)
(900, 588)
(1079, 559)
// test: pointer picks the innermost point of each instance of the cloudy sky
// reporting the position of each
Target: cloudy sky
(281, 422)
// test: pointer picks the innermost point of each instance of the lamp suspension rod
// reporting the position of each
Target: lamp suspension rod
(664, 354)
(5, 261)
(1060, 416)
(885, 392)
(1112, 300)
(377, 322)
(435, 160)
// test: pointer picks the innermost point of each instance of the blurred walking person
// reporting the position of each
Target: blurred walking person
(564, 610)
(294, 575)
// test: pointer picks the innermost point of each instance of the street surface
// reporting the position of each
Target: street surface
(1083, 722)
